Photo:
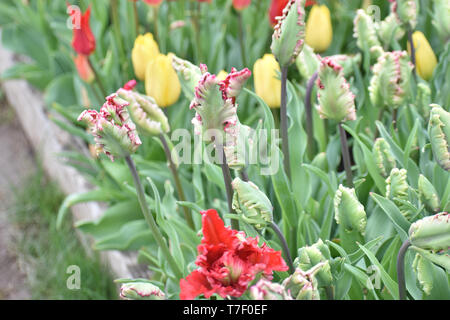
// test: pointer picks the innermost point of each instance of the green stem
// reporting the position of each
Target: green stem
(116, 30)
(176, 178)
(346, 156)
(284, 245)
(228, 187)
(241, 39)
(155, 23)
(98, 80)
(284, 122)
(150, 220)
(401, 270)
(329, 290)
(309, 119)
(136, 17)
(413, 52)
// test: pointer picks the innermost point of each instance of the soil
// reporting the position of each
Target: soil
(16, 164)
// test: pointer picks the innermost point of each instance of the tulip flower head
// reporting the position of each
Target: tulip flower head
(303, 284)
(144, 51)
(161, 81)
(153, 3)
(425, 58)
(364, 31)
(251, 203)
(390, 82)
(432, 232)
(428, 194)
(114, 133)
(310, 256)
(319, 31)
(241, 4)
(384, 158)
(277, 6)
(267, 290)
(83, 41)
(336, 101)
(406, 12)
(289, 33)
(144, 112)
(228, 261)
(439, 133)
(215, 103)
(140, 290)
(397, 190)
(266, 80)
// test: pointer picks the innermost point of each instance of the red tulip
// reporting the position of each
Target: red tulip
(83, 41)
(277, 6)
(153, 3)
(241, 4)
(228, 261)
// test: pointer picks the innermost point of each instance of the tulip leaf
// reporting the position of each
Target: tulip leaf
(390, 284)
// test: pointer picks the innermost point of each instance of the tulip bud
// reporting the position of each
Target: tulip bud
(303, 284)
(320, 161)
(425, 58)
(383, 157)
(364, 32)
(390, 83)
(346, 62)
(307, 62)
(188, 74)
(389, 29)
(348, 211)
(145, 49)
(406, 12)
(215, 105)
(145, 113)
(440, 19)
(84, 68)
(424, 98)
(441, 257)
(319, 31)
(266, 290)
(289, 33)
(251, 203)
(153, 3)
(310, 256)
(336, 101)
(423, 272)
(241, 4)
(439, 133)
(432, 232)
(397, 190)
(428, 194)
(140, 291)
(267, 81)
(161, 81)
(114, 133)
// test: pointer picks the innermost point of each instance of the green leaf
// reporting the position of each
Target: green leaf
(390, 284)
(400, 223)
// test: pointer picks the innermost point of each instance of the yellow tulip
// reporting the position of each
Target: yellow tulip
(161, 81)
(425, 58)
(319, 31)
(222, 75)
(145, 49)
(266, 81)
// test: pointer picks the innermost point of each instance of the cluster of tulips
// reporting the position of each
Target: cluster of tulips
(229, 262)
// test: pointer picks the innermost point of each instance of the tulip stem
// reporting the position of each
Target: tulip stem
(176, 178)
(284, 245)
(394, 118)
(116, 31)
(150, 220)
(98, 80)
(413, 51)
(136, 17)
(309, 119)
(283, 122)
(241, 39)
(346, 156)
(228, 187)
(401, 270)
(155, 23)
